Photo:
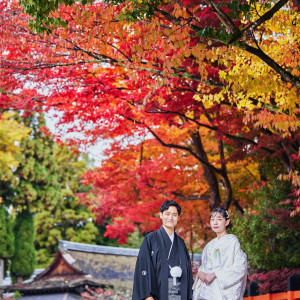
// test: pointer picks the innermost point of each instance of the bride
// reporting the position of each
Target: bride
(223, 273)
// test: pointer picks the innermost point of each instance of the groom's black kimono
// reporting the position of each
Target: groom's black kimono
(152, 267)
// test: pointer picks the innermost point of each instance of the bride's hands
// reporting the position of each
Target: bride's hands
(206, 278)
(209, 278)
(202, 275)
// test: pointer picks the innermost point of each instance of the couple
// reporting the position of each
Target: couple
(163, 268)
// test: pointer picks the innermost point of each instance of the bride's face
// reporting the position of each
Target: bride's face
(218, 223)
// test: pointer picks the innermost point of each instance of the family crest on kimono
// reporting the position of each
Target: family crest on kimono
(223, 272)
(163, 268)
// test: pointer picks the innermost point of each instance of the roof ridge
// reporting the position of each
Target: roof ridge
(75, 246)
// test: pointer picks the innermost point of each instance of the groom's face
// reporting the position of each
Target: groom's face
(170, 217)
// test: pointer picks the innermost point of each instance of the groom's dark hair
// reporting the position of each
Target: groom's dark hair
(165, 206)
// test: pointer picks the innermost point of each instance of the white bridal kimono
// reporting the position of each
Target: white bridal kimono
(225, 258)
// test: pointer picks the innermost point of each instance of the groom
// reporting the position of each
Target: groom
(163, 269)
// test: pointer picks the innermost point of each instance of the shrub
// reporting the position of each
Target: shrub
(268, 234)
(273, 281)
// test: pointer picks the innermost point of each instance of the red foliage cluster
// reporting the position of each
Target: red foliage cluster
(282, 217)
(130, 188)
(294, 177)
(97, 293)
(273, 281)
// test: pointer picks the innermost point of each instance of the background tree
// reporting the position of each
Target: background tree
(45, 179)
(6, 239)
(11, 134)
(268, 234)
(36, 172)
(68, 220)
(24, 260)
(34, 189)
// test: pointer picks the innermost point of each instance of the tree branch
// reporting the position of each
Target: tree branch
(285, 75)
(214, 128)
(237, 206)
(267, 16)
(227, 22)
(185, 149)
(189, 198)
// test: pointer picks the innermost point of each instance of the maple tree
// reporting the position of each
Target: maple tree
(132, 180)
(214, 84)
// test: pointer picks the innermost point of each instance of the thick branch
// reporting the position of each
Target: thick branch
(237, 206)
(227, 22)
(189, 198)
(214, 128)
(226, 181)
(267, 16)
(285, 75)
(185, 149)
(208, 172)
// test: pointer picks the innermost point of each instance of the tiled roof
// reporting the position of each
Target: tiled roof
(107, 268)
(66, 245)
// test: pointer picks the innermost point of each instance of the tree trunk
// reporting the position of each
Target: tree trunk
(1, 270)
(208, 172)
(20, 280)
(225, 179)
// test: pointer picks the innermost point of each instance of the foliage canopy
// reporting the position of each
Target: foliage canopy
(206, 89)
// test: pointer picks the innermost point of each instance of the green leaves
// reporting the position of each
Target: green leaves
(24, 259)
(268, 234)
(137, 10)
(44, 21)
(40, 11)
(6, 234)
(219, 34)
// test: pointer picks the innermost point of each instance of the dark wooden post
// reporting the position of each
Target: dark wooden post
(253, 289)
(293, 283)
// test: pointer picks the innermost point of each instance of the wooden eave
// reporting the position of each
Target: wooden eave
(60, 267)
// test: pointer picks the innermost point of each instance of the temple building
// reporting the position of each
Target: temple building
(78, 268)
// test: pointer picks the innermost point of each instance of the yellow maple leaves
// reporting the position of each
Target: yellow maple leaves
(253, 86)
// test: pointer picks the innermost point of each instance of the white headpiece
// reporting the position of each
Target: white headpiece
(227, 214)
